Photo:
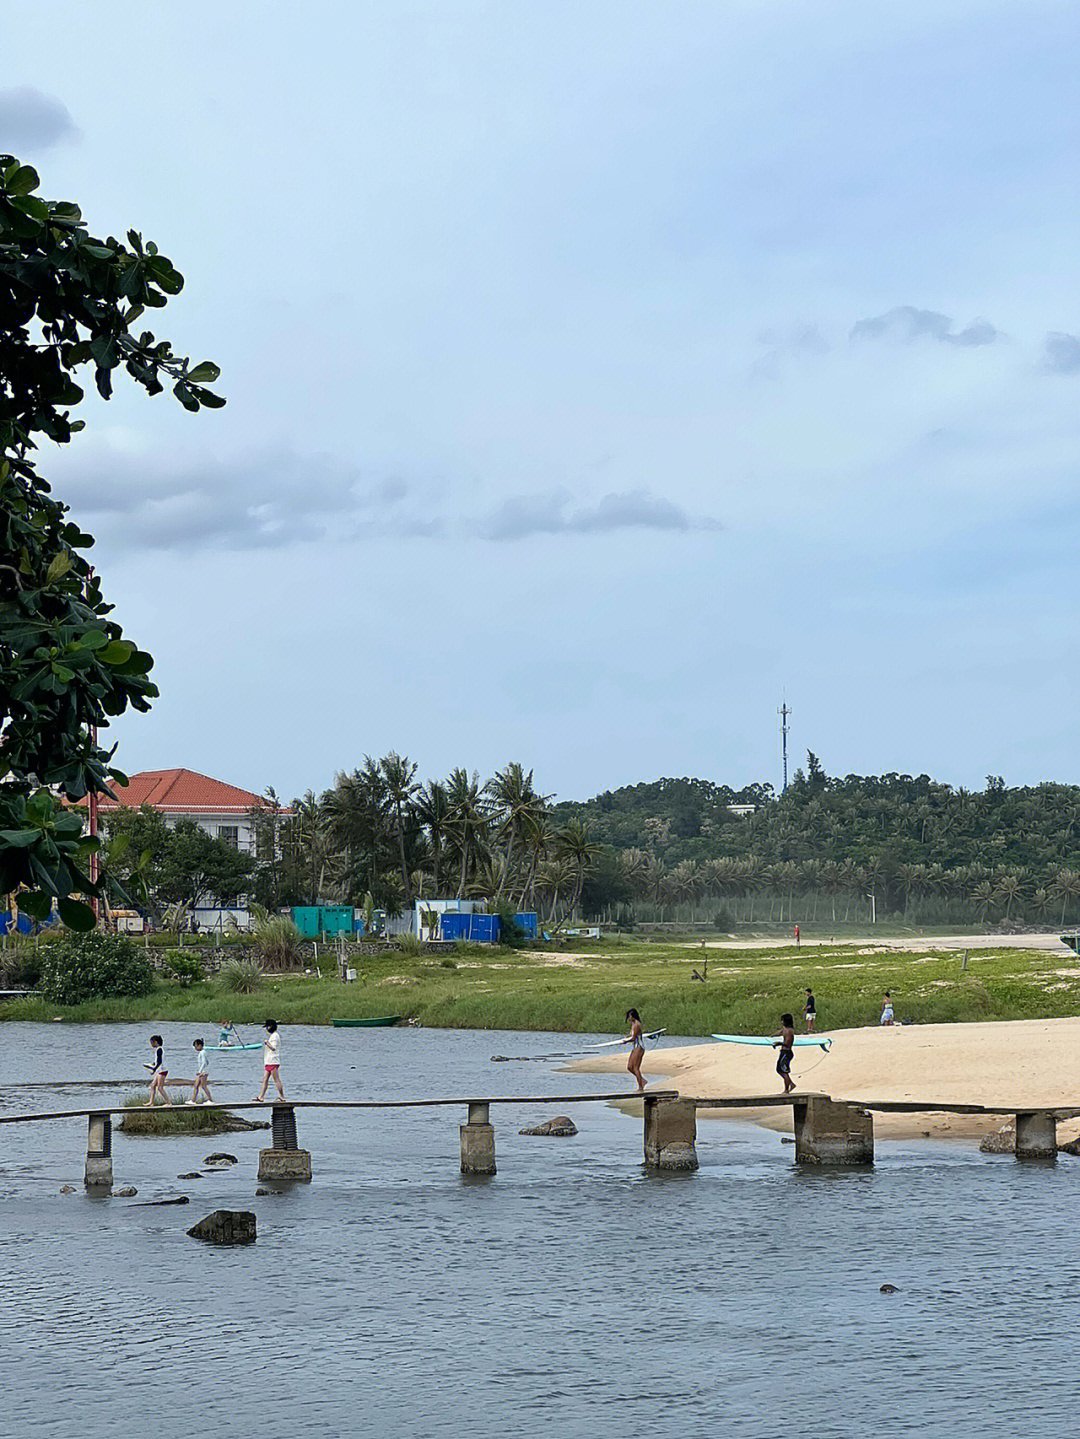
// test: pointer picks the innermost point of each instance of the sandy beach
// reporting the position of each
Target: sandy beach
(1030, 1062)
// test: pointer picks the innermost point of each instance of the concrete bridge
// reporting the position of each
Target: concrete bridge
(827, 1131)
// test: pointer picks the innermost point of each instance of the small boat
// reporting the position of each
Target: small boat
(1073, 941)
(380, 1021)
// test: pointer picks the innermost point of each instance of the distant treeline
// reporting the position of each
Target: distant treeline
(674, 849)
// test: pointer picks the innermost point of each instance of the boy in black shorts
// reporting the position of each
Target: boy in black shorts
(786, 1046)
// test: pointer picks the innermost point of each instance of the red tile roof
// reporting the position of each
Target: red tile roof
(180, 791)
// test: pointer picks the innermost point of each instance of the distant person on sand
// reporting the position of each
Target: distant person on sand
(810, 1011)
(271, 1060)
(786, 1046)
(798, 941)
(202, 1074)
(158, 1073)
(887, 1009)
(636, 1042)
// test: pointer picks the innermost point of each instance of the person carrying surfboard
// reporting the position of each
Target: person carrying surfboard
(786, 1045)
(636, 1041)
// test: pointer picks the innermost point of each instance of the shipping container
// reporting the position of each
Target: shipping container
(483, 928)
(306, 919)
(336, 918)
(527, 922)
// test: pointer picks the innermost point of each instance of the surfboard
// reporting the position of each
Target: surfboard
(230, 1048)
(612, 1043)
(811, 1040)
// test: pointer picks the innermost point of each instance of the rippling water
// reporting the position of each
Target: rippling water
(575, 1294)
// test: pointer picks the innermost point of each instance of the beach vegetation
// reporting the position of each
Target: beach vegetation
(277, 946)
(94, 965)
(186, 969)
(178, 1119)
(240, 976)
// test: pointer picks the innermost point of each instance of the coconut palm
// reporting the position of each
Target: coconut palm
(399, 775)
(470, 821)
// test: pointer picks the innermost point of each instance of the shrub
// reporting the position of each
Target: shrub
(511, 933)
(93, 966)
(240, 976)
(278, 944)
(407, 944)
(723, 920)
(186, 968)
(20, 967)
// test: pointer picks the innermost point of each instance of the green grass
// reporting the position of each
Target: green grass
(161, 1121)
(746, 990)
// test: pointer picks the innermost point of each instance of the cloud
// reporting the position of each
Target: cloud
(552, 514)
(30, 120)
(259, 500)
(1061, 353)
(906, 324)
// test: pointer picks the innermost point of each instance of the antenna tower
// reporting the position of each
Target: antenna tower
(783, 712)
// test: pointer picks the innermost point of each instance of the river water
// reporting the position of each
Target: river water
(575, 1295)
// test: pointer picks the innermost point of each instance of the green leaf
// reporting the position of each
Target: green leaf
(24, 180)
(94, 640)
(204, 373)
(20, 838)
(58, 566)
(76, 915)
(116, 652)
(34, 903)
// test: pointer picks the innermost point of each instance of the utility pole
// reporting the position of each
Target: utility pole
(783, 712)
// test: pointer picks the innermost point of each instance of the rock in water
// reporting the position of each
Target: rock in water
(67, 1189)
(1003, 1142)
(193, 1175)
(889, 1289)
(219, 1159)
(560, 1125)
(128, 1192)
(226, 1226)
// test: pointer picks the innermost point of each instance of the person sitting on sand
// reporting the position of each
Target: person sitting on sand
(810, 1011)
(158, 1073)
(786, 1045)
(636, 1042)
(887, 1009)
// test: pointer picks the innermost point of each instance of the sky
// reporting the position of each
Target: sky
(600, 376)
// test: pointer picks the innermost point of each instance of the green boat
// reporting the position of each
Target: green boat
(383, 1019)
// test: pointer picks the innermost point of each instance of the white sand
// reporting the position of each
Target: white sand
(1028, 1063)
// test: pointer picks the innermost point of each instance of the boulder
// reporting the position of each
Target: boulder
(67, 1189)
(219, 1159)
(560, 1126)
(193, 1175)
(226, 1226)
(128, 1192)
(1003, 1142)
(889, 1289)
(1071, 1147)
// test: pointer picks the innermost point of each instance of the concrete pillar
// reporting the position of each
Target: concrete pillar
(477, 1142)
(670, 1133)
(99, 1171)
(830, 1132)
(1036, 1135)
(284, 1160)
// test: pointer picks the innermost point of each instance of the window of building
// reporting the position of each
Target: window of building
(230, 833)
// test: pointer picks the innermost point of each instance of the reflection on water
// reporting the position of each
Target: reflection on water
(575, 1294)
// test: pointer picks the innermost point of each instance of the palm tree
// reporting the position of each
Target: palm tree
(572, 842)
(433, 812)
(469, 822)
(401, 788)
(1066, 887)
(513, 796)
(1008, 889)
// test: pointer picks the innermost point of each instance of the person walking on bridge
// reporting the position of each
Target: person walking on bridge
(271, 1060)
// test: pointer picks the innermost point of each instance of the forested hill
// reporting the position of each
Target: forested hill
(887, 824)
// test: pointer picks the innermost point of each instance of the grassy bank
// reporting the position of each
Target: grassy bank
(590, 988)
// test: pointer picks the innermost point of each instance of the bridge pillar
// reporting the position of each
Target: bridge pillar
(478, 1141)
(1036, 1135)
(99, 1170)
(830, 1132)
(285, 1160)
(670, 1133)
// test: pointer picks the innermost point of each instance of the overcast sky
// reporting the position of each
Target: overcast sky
(599, 375)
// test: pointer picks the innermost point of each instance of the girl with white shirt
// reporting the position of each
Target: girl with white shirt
(271, 1060)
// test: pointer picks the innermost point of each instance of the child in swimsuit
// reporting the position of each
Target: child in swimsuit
(637, 1047)
(202, 1075)
(786, 1046)
(887, 1009)
(158, 1073)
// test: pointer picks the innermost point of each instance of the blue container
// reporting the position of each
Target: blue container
(527, 922)
(482, 928)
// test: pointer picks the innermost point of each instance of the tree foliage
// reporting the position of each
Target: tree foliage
(70, 304)
(93, 966)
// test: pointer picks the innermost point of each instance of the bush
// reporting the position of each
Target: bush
(278, 944)
(20, 967)
(185, 968)
(240, 976)
(407, 944)
(511, 933)
(723, 920)
(94, 966)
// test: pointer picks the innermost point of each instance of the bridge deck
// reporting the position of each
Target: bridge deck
(621, 1095)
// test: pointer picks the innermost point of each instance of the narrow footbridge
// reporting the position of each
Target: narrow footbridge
(827, 1131)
